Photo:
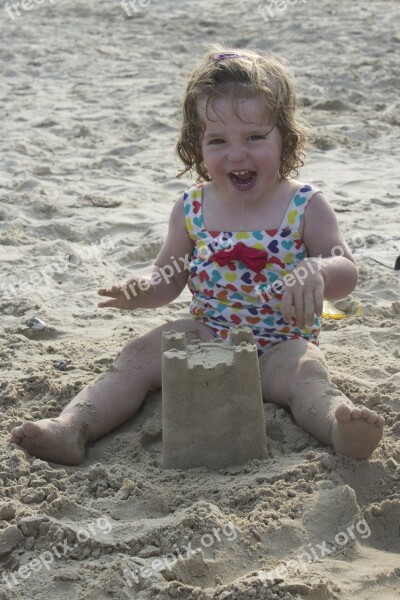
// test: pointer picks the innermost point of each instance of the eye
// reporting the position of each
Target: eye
(216, 141)
(257, 137)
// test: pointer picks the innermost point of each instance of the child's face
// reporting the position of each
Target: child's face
(242, 155)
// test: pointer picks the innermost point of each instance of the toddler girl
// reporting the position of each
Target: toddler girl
(255, 246)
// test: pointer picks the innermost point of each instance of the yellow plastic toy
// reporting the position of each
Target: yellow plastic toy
(330, 311)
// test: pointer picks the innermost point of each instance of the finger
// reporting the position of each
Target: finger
(299, 308)
(319, 300)
(309, 308)
(117, 288)
(107, 304)
(114, 291)
(103, 292)
(286, 306)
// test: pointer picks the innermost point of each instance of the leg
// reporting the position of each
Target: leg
(106, 403)
(295, 375)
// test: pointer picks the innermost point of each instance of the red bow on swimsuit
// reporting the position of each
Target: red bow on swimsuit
(252, 257)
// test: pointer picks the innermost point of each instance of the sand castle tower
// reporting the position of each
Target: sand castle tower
(212, 407)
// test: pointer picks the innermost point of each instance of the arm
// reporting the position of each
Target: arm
(330, 270)
(168, 275)
(170, 267)
(323, 238)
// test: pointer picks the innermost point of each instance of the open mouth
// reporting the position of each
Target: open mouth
(243, 180)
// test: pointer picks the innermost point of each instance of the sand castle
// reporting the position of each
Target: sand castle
(212, 407)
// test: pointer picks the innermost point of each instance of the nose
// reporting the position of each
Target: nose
(236, 153)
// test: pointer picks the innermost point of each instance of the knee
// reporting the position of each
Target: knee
(313, 369)
(136, 349)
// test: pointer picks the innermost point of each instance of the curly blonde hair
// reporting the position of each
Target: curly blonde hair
(248, 74)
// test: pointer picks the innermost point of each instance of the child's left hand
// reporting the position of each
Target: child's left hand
(306, 294)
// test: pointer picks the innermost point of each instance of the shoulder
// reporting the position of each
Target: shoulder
(195, 192)
(184, 211)
(178, 225)
(178, 209)
(306, 189)
(318, 207)
(321, 232)
(301, 195)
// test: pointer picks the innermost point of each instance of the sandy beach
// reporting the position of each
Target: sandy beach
(90, 99)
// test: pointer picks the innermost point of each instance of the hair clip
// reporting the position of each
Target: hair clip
(224, 55)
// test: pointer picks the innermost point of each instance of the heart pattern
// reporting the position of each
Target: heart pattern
(272, 276)
(273, 246)
(196, 206)
(253, 320)
(232, 294)
(259, 246)
(299, 200)
(292, 216)
(298, 243)
(260, 278)
(266, 311)
(203, 275)
(237, 305)
(287, 244)
(198, 221)
(230, 276)
(236, 319)
(215, 276)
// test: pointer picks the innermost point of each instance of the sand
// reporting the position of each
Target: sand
(89, 106)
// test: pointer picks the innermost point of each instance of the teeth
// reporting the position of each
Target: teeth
(240, 172)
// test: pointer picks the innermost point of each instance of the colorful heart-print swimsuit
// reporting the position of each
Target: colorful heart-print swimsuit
(232, 293)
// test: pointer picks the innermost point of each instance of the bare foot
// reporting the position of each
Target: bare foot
(356, 431)
(56, 440)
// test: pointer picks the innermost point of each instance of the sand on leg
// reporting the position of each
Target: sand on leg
(106, 403)
(294, 374)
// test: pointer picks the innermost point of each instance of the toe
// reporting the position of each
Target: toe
(343, 413)
(380, 421)
(16, 434)
(31, 429)
(372, 417)
(356, 413)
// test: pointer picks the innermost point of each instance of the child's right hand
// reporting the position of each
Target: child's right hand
(134, 293)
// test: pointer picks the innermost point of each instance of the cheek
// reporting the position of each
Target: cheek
(205, 154)
(272, 154)
(209, 157)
